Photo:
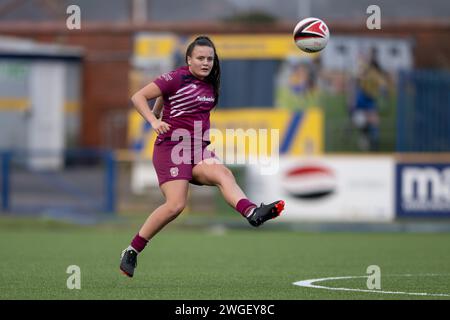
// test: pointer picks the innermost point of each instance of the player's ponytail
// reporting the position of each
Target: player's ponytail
(214, 76)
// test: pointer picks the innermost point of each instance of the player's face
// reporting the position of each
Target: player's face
(201, 61)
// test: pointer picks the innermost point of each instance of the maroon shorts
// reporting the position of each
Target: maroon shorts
(174, 160)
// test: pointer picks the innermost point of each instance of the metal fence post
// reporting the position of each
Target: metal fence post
(5, 158)
(110, 182)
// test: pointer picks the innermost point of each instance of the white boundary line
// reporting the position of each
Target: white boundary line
(309, 284)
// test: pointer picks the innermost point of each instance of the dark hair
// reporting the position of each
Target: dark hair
(214, 76)
(373, 61)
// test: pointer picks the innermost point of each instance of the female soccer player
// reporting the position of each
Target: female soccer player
(187, 96)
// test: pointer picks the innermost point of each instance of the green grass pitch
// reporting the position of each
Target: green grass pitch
(253, 264)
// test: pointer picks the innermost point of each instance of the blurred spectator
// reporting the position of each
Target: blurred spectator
(297, 83)
(370, 85)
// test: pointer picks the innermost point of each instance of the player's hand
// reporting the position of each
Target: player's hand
(160, 126)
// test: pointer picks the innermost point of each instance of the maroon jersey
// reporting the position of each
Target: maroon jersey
(187, 99)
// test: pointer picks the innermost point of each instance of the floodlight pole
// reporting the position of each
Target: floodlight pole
(304, 9)
(138, 11)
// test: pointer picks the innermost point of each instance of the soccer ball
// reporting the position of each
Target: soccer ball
(311, 35)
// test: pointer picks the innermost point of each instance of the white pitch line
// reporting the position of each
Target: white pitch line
(309, 284)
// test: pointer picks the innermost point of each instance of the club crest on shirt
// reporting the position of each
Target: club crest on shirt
(174, 171)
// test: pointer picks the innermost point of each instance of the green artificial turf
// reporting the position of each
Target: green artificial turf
(254, 264)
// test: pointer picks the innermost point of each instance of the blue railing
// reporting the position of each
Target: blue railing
(423, 111)
(85, 181)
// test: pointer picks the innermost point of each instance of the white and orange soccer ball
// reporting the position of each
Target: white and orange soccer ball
(311, 35)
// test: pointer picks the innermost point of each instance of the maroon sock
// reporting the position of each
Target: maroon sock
(138, 243)
(244, 205)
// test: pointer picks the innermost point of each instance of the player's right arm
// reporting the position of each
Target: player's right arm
(157, 107)
(140, 98)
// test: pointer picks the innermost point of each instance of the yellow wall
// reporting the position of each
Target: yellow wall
(306, 137)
